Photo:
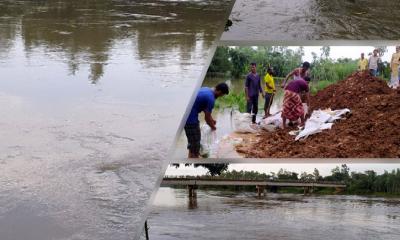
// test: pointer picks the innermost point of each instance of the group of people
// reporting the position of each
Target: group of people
(372, 65)
(296, 92)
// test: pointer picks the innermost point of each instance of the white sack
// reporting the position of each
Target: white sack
(208, 138)
(271, 123)
(242, 123)
(320, 120)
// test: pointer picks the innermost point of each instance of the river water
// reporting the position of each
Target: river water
(88, 95)
(231, 215)
(314, 20)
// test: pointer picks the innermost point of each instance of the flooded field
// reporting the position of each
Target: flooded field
(80, 90)
(232, 215)
(313, 20)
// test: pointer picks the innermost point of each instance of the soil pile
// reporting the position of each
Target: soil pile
(371, 131)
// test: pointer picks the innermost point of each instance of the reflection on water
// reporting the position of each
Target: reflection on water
(82, 83)
(223, 215)
(314, 19)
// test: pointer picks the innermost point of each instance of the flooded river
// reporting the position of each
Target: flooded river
(231, 215)
(88, 95)
(314, 20)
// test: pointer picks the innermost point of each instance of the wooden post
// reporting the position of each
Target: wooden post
(146, 230)
(192, 191)
(260, 190)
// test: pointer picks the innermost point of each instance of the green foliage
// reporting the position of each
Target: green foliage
(235, 61)
(233, 100)
(220, 62)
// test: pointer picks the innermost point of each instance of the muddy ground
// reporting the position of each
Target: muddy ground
(371, 131)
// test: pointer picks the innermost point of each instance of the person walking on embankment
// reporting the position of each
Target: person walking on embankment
(298, 73)
(373, 63)
(204, 102)
(292, 104)
(362, 63)
(252, 89)
(269, 91)
(394, 68)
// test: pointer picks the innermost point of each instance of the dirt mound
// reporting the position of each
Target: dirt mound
(371, 131)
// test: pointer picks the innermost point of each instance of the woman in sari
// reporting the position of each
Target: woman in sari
(292, 104)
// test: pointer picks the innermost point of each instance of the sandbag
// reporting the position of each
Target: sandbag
(320, 120)
(242, 123)
(272, 123)
(208, 138)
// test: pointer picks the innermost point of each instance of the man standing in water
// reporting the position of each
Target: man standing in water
(269, 91)
(204, 103)
(252, 90)
(373, 63)
(362, 63)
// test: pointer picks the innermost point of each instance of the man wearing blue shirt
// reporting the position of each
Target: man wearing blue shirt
(204, 102)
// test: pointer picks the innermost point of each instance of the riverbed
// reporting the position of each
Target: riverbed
(88, 95)
(242, 215)
(313, 20)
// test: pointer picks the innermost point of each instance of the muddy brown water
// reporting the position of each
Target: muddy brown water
(232, 215)
(88, 95)
(314, 20)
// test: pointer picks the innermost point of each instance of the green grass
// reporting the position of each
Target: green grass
(315, 87)
(233, 100)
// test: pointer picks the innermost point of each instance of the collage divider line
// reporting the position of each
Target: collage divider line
(167, 161)
(288, 160)
(344, 43)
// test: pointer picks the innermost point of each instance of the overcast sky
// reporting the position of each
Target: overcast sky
(324, 169)
(345, 52)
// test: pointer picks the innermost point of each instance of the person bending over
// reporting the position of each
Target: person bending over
(292, 104)
(204, 102)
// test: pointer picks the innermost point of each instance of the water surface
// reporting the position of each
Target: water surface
(314, 20)
(92, 93)
(232, 215)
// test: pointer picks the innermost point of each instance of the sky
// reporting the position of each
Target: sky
(352, 52)
(324, 169)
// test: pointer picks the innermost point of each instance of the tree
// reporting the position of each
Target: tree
(317, 177)
(325, 52)
(214, 169)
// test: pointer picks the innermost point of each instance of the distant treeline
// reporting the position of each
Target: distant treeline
(368, 182)
(234, 62)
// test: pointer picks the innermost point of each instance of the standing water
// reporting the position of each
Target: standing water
(88, 95)
(314, 20)
(230, 215)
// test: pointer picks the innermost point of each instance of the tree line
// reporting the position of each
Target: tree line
(234, 62)
(368, 182)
